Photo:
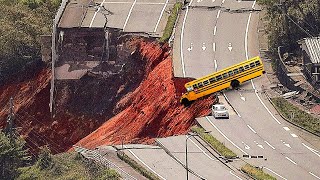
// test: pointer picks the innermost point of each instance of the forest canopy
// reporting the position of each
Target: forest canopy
(21, 24)
(290, 21)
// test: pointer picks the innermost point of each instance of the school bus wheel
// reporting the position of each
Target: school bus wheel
(235, 83)
(185, 102)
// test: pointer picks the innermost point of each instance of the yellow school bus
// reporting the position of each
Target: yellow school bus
(232, 76)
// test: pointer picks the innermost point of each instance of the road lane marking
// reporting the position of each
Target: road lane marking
(214, 47)
(125, 23)
(215, 65)
(291, 160)
(312, 150)
(251, 129)
(254, 3)
(230, 103)
(181, 40)
(294, 135)
(230, 47)
(218, 14)
(225, 136)
(269, 145)
(274, 172)
(95, 13)
(286, 144)
(314, 175)
(164, 7)
(214, 30)
(144, 163)
(286, 128)
(242, 97)
(235, 175)
(204, 46)
(245, 145)
(202, 150)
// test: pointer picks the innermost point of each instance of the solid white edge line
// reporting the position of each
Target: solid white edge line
(181, 41)
(145, 163)
(201, 150)
(269, 145)
(246, 51)
(291, 160)
(274, 172)
(235, 175)
(95, 14)
(164, 7)
(312, 150)
(225, 96)
(125, 23)
(314, 175)
(225, 136)
(251, 129)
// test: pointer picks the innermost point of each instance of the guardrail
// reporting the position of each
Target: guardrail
(93, 155)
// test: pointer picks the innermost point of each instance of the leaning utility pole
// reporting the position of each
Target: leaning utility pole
(10, 119)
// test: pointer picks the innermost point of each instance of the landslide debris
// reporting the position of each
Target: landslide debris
(153, 109)
(141, 102)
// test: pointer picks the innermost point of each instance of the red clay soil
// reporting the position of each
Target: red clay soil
(153, 109)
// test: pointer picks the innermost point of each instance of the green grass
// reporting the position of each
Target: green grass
(217, 145)
(137, 166)
(301, 118)
(256, 173)
(68, 166)
(171, 21)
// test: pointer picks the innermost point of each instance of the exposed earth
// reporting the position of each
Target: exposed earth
(136, 105)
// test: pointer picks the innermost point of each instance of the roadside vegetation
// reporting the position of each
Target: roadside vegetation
(137, 166)
(171, 21)
(297, 116)
(289, 22)
(66, 166)
(21, 24)
(217, 145)
(256, 173)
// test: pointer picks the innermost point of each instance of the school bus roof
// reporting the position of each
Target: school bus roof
(222, 71)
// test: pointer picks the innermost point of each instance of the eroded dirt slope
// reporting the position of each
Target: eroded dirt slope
(153, 109)
(141, 103)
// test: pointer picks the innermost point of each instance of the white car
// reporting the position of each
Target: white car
(220, 111)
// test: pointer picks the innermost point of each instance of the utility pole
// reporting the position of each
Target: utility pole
(10, 119)
(285, 19)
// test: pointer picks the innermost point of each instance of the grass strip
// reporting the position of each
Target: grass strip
(171, 21)
(137, 166)
(256, 173)
(217, 145)
(296, 116)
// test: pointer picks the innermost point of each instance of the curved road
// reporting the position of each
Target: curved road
(217, 38)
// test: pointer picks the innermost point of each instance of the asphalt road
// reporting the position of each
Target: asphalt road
(148, 16)
(217, 38)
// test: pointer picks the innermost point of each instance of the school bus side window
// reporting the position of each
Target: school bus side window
(257, 63)
(246, 67)
(200, 85)
(230, 73)
(195, 86)
(219, 78)
(235, 71)
(225, 75)
(252, 65)
(241, 69)
(206, 82)
(212, 80)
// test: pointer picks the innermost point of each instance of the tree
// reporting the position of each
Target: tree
(13, 155)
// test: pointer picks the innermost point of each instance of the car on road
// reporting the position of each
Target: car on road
(220, 111)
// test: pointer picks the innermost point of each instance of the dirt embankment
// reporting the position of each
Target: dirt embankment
(140, 103)
(153, 109)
